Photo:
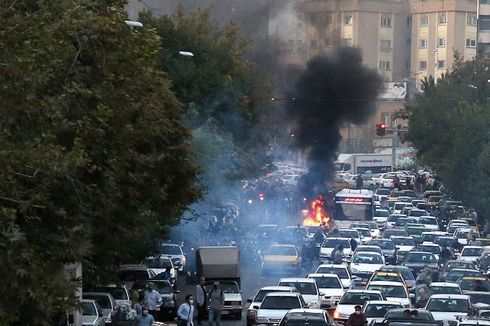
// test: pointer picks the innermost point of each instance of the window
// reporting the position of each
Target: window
(484, 23)
(441, 42)
(470, 43)
(409, 21)
(328, 19)
(442, 18)
(409, 41)
(313, 44)
(423, 65)
(441, 64)
(384, 65)
(423, 20)
(385, 45)
(328, 42)
(386, 21)
(423, 44)
(347, 42)
(471, 20)
(348, 19)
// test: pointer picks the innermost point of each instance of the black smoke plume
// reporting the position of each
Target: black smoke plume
(332, 91)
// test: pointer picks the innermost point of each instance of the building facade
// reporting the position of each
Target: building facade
(484, 26)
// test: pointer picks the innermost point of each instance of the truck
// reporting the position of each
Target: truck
(364, 163)
(222, 264)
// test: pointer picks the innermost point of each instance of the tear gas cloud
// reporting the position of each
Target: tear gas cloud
(332, 91)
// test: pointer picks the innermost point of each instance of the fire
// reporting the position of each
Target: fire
(316, 215)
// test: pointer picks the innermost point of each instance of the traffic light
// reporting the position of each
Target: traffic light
(380, 129)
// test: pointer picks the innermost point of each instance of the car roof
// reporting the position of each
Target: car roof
(332, 266)
(283, 294)
(387, 272)
(473, 278)
(309, 311)
(393, 267)
(362, 291)
(473, 247)
(477, 292)
(335, 238)
(297, 279)
(400, 236)
(367, 253)
(277, 288)
(448, 284)
(322, 275)
(450, 296)
(394, 303)
(95, 293)
(390, 283)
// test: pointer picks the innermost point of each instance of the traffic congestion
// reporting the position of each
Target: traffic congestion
(394, 254)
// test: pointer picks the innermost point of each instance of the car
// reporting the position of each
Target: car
(430, 222)
(388, 233)
(418, 260)
(350, 234)
(256, 301)
(416, 212)
(168, 307)
(484, 313)
(119, 292)
(367, 184)
(449, 306)
(329, 244)
(393, 291)
(404, 271)
(415, 231)
(456, 273)
(405, 199)
(340, 270)
(380, 216)
(403, 221)
(463, 222)
(392, 219)
(175, 253)
(454, 227)
(363, 264)
(474, 322)
(383, 192)
(399, 206)
(232, 297)
(434, 200)
(386, 276)
(464, 234)
(276, 305)
(415, 314)
(92, 314)
(352, 298)
(374, 228)
(316, 317)
(281, 258)
(470, 253)
(387, 248)
(106, 302)
(423, 206)
(376, 310)
(331, 289)
(445, 241)
(135, 275)
(474, 283)
(430, 247)
(431, 236)
(368, 248)
(158, 265)
(444, 288)
(429, 193)
(403, 245)
(460, 264)
(415, 202)
(365, 234)
(479, 299)
(307, 287)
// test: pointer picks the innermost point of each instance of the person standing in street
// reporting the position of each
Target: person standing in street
(357, 318)
(145, 319)
(201, 300)
(153, 301)
(185, 314)
(216, 303)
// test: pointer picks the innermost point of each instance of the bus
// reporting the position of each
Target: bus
(354, 205)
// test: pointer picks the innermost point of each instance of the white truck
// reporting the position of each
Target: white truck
(364, 163)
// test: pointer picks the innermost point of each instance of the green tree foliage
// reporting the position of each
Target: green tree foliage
(221, 90)
(449, 124)
(94, 160)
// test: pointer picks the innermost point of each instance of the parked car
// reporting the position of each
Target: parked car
(106, 302)
(92, 314)
(176, 254)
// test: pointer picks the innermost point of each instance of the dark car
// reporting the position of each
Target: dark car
(456, 273)
(387, 247)
(394, 232)
(415, 314)
(418, 260)
(461, 264)
(166, 290)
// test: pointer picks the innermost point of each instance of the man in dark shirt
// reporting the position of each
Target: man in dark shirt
(357, 318)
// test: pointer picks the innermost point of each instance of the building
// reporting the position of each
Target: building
(441, 28)
(484, 26)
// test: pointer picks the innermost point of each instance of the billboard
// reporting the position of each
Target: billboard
(394, 91)
(405, 157)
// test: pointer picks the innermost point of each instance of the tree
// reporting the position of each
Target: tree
(94, 158)
(449, 124)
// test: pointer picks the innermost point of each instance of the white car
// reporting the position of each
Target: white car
(331, 289)
(329, 244)
(352, 298)
(175, 253)
(350, 234)
(376, 310)
(380, 216)
(158, 264)
(307, 287)
(449, 306)
(364, 264)
(393, 291)
(399, 206)
(430, 247)
(275, 305)
(463, 234)
(365, 233)
(430, 222)
(431, 236)
(340, 270)
(403, 244)
(256, 301)
(390, 222)
(444, 288)
(92, 313)
(471, 253)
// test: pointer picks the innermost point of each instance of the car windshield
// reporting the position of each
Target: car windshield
(420, 257)
(386, 277)
(429, 221)
(459, 264)
(433, 249)
(170, 250)
(332, 243)
(406, 273)
(417, 213)
(117, 293)
(163, 287)
(348, 234)
(392, 291)
(456, 274)
(302, 287)
(281, 251)
(383, 244)
(472, 251)
(444, 290)
(103, 300)
(474, 285)
(398, 314)
(415, 231)
(340, 272)
(157, 262)
(364, 232)
(379, 310)
(403, 241)
(261, 295)
(227, 287)
(327, 282)
(359, 298)
(382, 213)
(88, 309)
(383, 192)
(480, 298)
(448, 305)
(393, 218)
(280, 303)
(394, 232)
(366, 258)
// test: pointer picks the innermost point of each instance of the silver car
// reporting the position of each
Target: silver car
(105, 300)
(92, 313)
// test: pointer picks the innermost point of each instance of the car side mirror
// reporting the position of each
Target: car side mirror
(250, 300)
(256, 307)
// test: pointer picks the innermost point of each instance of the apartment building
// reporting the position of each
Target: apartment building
(441, 28)
(484, 26)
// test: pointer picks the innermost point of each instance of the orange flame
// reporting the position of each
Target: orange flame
(316, 215)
